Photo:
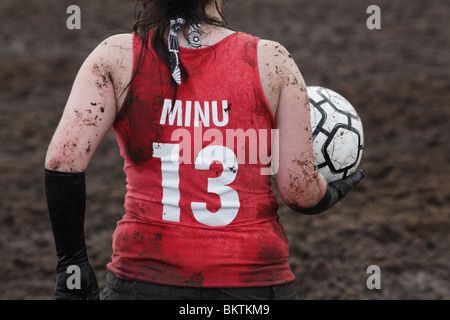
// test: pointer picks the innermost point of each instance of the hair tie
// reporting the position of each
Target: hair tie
(174, 56)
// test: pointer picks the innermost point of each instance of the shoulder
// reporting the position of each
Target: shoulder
(118, 44)
(274, 49)
(276, 57)
(110, 54)
(278, 63)
(124, 40)
(270, 46)
(113, 57)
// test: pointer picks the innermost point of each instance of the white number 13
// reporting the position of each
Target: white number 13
(169, 155)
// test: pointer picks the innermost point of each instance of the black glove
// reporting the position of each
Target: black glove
(336, 190)
(66, 200)
(78, 282)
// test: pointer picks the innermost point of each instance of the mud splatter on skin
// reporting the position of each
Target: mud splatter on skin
(299, 178)
(54, 164)
(303, 89)
(293, 82)
(281, 71)
(87, 118)
(67, 150)
(103, 83)
(104, 79)
(286, 69)
(304, 164)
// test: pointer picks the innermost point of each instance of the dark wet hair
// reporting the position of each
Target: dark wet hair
(156, 15)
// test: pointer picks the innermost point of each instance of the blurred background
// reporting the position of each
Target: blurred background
(396, 77)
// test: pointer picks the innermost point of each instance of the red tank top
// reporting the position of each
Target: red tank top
(200, 209)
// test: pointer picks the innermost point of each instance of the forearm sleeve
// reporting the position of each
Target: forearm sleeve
(66, 200)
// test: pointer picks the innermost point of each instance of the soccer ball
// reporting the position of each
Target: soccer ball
(337, 133)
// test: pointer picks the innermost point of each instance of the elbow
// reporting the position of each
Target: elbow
(56, 163)
(52, 162)
(300, 204)
(59, 161)
(303, 196)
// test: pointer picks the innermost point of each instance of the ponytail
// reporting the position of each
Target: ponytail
(156, 15)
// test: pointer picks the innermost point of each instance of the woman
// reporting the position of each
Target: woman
(194, 106)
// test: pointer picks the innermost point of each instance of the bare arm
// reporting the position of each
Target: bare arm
(91, 107)
(299, 182)
(89, 113)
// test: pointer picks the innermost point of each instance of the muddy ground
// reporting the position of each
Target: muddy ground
(397, 77)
